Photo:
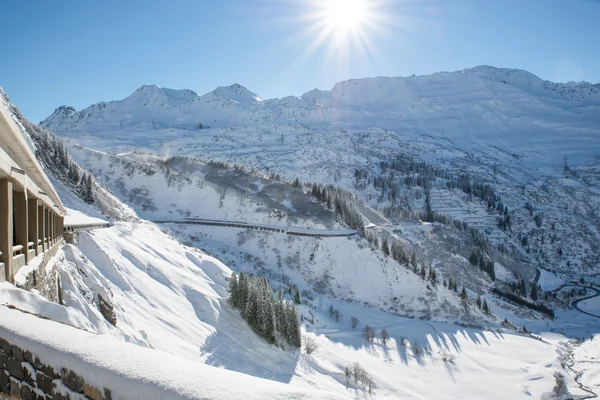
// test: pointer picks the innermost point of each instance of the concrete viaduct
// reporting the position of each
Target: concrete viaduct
(31, 213)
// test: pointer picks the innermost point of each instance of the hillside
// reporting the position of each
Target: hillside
(170, 297)
(535, 143)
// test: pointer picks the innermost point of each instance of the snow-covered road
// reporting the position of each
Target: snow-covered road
(289, 230)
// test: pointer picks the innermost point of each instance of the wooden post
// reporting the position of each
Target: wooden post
(21, 223)
(33, 233)
(6, 227)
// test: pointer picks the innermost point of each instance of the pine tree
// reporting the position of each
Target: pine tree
(491, 270)
(432, 275)
(463, 293)
(294, 336)
(297, 297)
(474, 258)
(402, 257)
(423, 272)
(90, 191)
(243, 289)
(478, 301)
(234, 294)
(523, 288)
(385, 248)
(413, 259)
(251, 311)
(384, 335)
(534, 292)
(281, 324)
(266, 313)
(485, 307)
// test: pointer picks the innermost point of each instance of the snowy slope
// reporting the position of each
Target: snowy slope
(480, 109)
(346, 268)
(123, 368)
(169, 298)
(504, 127)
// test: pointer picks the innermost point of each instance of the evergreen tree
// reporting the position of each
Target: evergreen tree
(474, 257)
(243, 289)
(384, 336)
(281, 323)
(251, 311)
(266, 314)
(432, 275)
(385, 248)
(297, 297)
(534, 292)
(413, 259)
(463, 293)
(485, 307)
(478, 301)
(89, 190)
(294, 336)
(233, 290)
(423, 272)
(523, 288)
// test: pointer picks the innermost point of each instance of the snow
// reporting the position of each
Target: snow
(21, 275)
(105, 362)
(506, 127)
(501, 103)
(34, 303)
(175, 307)
(591, 305)
(172, 314)
(587, 362)
(170, 300)
(75, 217)
(549, 280)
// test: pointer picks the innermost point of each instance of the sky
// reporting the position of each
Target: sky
(79, 53)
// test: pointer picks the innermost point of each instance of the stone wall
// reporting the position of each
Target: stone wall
(24, 376)
(45, 278)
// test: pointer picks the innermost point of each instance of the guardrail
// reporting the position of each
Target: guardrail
(269, 228)
(85, 227)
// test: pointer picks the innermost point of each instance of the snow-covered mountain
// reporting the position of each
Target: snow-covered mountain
(533, 141)
(172, 298)
(488, 109)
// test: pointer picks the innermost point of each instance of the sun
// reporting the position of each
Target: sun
(343, 16)
(345, 34)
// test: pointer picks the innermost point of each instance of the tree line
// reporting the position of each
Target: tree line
(271, 317)
(523, 302)
(53, 154)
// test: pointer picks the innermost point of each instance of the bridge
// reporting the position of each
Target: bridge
(31, 213)
(288, 230)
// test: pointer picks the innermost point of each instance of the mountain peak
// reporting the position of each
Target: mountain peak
(60, 114)
(237, 93)
(155, 95)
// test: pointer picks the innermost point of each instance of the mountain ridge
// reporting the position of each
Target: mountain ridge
(482, 71)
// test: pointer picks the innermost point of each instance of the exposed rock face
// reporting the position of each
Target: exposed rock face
(107, 310)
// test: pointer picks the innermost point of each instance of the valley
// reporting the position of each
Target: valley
(456, 212)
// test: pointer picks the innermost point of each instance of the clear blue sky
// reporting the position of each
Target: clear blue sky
(82, 52)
